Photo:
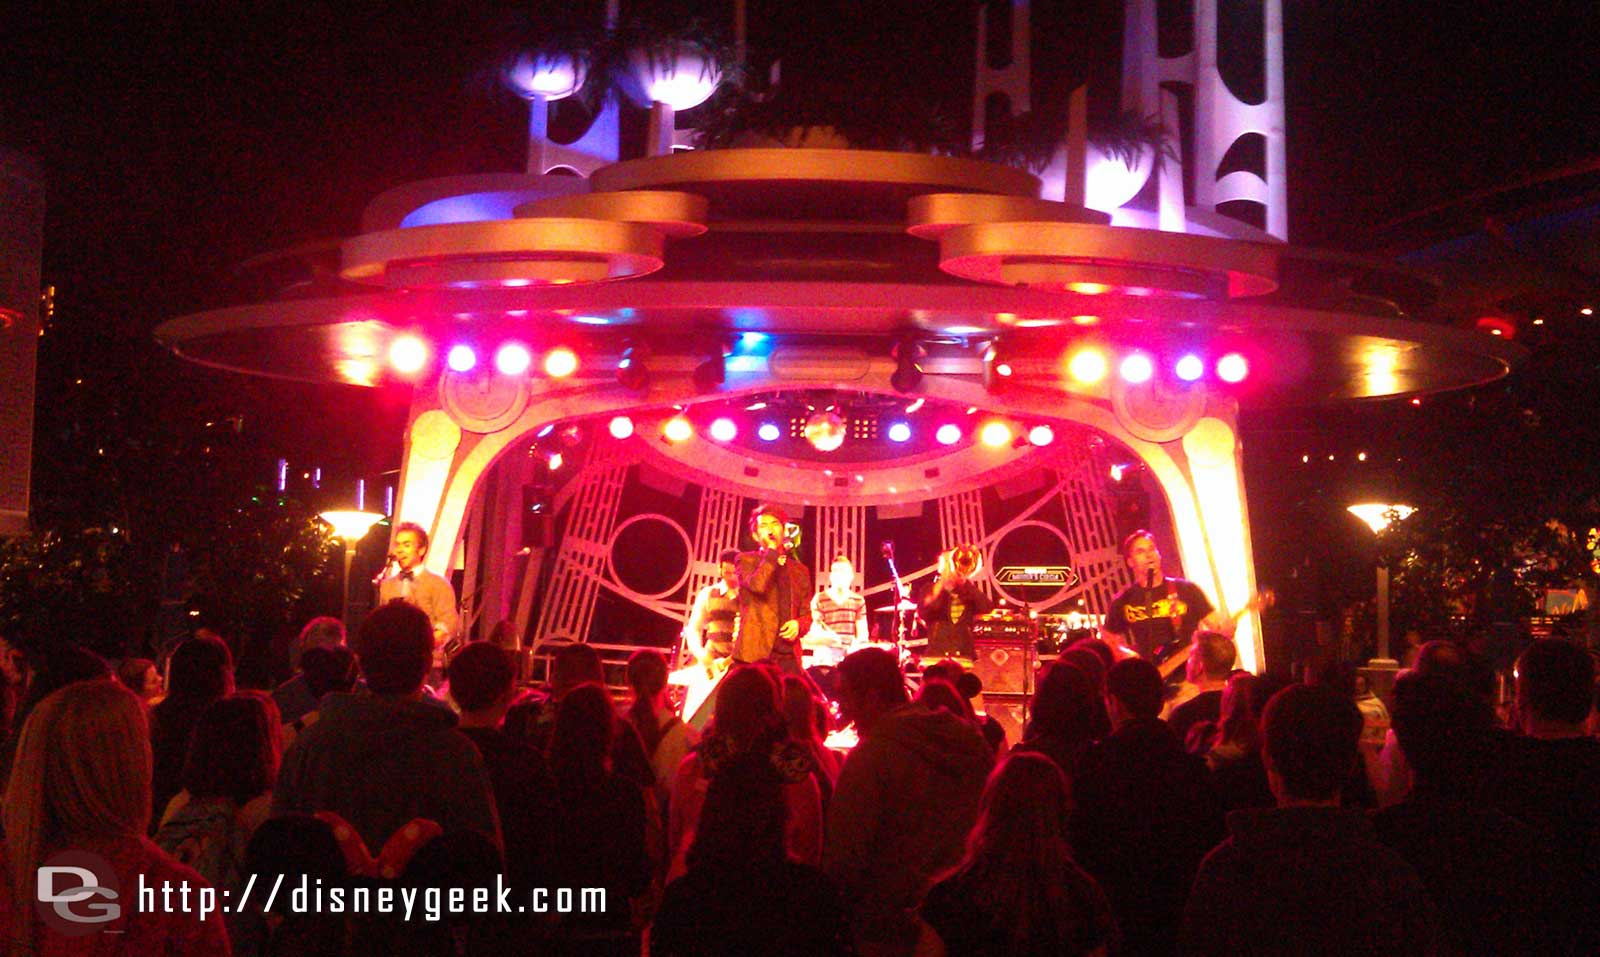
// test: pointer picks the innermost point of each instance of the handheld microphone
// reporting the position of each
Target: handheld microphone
(888, 550)
(1149, 578)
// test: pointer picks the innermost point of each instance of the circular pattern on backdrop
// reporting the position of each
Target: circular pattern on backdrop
(1031, 543)
(643, 562)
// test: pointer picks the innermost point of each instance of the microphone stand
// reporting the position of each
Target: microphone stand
(901, 626)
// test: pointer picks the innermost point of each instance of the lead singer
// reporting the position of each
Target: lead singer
(774, 595)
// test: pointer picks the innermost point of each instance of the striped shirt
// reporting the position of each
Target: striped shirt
(840, 617)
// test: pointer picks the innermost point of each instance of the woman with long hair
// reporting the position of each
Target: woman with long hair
(804, 713)
(81, 783)
(227, 787)
(199, 672)
(599, 839)
(741, 892)
(665, 737)
(1017, 890)
(748, 722)
(1235, 760)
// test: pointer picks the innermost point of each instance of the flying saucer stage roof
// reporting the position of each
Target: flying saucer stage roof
(842, 250)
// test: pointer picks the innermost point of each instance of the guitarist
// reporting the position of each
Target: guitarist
(1157, 613)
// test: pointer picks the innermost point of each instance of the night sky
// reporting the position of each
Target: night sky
(180, 139)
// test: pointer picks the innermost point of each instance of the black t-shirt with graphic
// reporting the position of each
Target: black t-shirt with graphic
(1146, 616)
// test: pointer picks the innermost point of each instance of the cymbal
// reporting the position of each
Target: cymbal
(906, 604)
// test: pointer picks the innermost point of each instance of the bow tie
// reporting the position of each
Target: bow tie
(407, 575)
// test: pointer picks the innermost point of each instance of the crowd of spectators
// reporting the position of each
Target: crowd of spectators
(1252, 814)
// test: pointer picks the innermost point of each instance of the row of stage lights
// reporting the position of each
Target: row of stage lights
(409, 355)
(994, 433)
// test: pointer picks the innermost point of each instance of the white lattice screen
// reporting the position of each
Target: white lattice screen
(839, 530)
(568, 604)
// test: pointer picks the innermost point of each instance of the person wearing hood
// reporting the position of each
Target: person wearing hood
(1308, 876)
(383, 759)
(904, 803)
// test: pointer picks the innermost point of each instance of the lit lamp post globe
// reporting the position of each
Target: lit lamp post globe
(546, 76)
(1379, 517)
(351, 526)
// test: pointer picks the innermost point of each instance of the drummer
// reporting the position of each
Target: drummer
(838, 616)
(953, 602)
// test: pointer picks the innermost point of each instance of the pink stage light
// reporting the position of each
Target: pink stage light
(1232, 368)
(677, 429)
(769, 432)
(461, 358)
(1136, 368)
(948, 434)
(560, 362)
(1041, 435)
(723, 430)
(621, 427)
(513, 359)
(1190, 368)
(408, 355)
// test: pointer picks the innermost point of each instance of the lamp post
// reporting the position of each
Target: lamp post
(1379, 517)
(351, 525)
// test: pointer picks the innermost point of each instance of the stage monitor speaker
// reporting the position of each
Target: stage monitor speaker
(1005, 667)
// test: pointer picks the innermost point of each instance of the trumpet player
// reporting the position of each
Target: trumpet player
(954, 601)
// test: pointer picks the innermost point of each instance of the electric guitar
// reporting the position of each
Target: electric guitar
(1174, 655)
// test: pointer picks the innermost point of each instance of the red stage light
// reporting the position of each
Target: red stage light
(513, 358)
(1232, 368)
(948, 434)
(461, 358)
(621, 427)
(408, 355)
(1041, 435)
(723, 430)
(560, 362)
(1190, 368)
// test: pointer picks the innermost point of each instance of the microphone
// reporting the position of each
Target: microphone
(888, 550)
(1149, 578)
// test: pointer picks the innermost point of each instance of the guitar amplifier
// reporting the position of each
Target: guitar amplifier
(1011, 711)
(1005, 666)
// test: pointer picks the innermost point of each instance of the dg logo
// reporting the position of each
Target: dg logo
(77, 893)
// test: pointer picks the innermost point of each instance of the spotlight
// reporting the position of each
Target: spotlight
(677, 429)
(825, 430)
(1041, 435)
(1087, 366)
(560, 362)
(1189, 368)
(723, 430)
(899, 432)
(907, 374)
(461, 358)
(948, 434)
(408, 355)
(631, 372)
(995, 434)
(556, 461)
(621, 427)
(769, 432)
(1136, 368)
(1232, 368)
(513, 359)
